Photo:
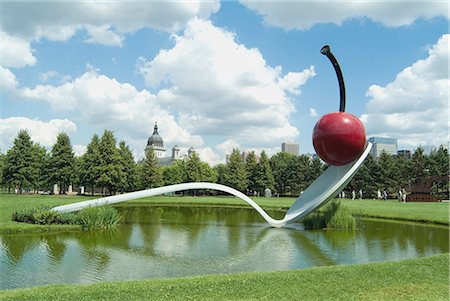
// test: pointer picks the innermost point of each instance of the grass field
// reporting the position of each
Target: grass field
(417, 279)
(421, 212)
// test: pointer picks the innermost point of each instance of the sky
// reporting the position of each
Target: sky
(218, 75)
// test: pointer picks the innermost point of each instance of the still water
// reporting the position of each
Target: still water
(155, 242)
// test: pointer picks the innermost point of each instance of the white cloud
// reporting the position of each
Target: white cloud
(79, 150)
(221, 87)
(312, 112)
(305, 14)
(45, 76)
(42, 132)
(105, 22)
(15, 52)
(105, 103)
(414, 107)
(8, 81)
(209, 156)
(103, 35)
(227, 146)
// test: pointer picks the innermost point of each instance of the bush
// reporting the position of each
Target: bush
(92, 218)
(46, 217)
(27, 215)
(333, 215)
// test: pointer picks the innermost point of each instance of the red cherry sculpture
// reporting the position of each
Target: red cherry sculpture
(339, 137)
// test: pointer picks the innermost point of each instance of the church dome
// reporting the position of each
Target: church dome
(155, 139)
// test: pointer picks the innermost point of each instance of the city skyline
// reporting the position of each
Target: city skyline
(221, 75)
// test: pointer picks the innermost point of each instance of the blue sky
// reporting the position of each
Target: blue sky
(219, 75)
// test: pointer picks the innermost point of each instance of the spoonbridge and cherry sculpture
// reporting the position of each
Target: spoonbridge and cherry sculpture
(339, 139)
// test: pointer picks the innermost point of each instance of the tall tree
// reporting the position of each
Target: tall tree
(128, 182)
(251, 166)
(151, 174)
(438, 162)
(236, 175)
(418, 166)
(90, 164)
(61, 166)
(21, 169)
(375, 171)
(316, 167)
(280, 163)
(110, 170)
(174, 174)
(221, 170)
(40, 164)
(264, 177)
(390, 174)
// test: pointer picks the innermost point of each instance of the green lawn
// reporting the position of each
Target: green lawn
(416, 279)
(422, 212)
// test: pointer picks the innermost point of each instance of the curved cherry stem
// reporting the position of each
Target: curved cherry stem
(327, 51)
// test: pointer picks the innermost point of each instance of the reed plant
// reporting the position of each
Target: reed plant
(333, 215)
(98, 218)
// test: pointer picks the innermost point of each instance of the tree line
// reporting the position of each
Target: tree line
(110, 167)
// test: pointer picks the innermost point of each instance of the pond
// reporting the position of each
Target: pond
(171, 241)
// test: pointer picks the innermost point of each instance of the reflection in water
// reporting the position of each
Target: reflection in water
(182, 241)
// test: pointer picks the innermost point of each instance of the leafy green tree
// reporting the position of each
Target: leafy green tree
(251, 166)
(264, 177)
(151, 174)
(111, 173)
(363, 180)
(21, 169)
(174, 174)
(221, 170)
(438, 162)
(129, 180)
(90, 164)
(389, 173)
(316, 167)
(280, 163)
(375, 171)
(418, 168)
(40, 164)
(403, 167)
(61, 167)
(236, 175)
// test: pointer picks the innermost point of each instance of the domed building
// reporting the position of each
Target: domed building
(156, 143)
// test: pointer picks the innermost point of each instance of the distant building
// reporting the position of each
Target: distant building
(380, 144)
(156, 143)
(290, 148)
(406, 153)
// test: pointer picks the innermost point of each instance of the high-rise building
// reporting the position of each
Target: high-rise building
(290, 148)
(380, 144)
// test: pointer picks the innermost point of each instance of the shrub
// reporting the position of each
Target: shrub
(93, 218)
(333, 215)
(26, 215)
(46, 217)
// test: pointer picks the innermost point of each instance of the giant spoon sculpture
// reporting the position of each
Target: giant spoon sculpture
(339, 139)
